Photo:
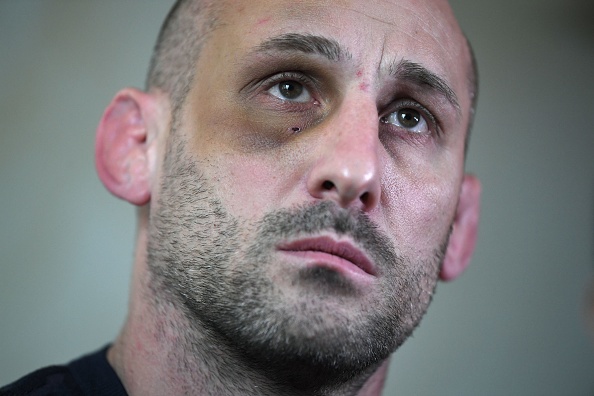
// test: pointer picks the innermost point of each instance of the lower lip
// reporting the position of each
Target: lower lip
(342, 266)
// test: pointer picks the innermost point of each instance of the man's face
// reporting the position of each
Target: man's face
(312, 177)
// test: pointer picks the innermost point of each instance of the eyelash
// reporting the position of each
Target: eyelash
(307, 82)
(399, 104)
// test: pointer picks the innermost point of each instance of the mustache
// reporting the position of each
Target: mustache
(326, 216)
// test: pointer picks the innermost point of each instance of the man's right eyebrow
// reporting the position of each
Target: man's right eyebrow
(307, 44)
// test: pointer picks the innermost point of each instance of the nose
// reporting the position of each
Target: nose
(346, 169)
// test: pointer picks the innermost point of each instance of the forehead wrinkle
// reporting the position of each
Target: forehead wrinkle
(419, 14)
(370, 17)
(427, 21)
(428, 26)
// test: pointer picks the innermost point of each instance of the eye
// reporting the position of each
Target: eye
(409, 119)
(291, 91)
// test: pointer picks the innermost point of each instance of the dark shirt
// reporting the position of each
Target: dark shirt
(91, 375)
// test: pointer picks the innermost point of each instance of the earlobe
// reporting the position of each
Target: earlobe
(122, 145)
(464, 232)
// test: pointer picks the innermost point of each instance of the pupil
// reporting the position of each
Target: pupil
(409, 118)
(290, 89)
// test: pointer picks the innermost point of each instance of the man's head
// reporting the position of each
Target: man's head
(304, 164)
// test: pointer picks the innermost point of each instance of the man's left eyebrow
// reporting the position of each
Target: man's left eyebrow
(307, 44)
(417, 74)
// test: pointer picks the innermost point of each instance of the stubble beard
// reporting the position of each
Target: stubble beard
(314, 331)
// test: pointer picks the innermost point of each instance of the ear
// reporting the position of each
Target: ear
(122, 149)
(464, 230)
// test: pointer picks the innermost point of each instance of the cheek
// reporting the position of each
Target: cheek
(250, 186)
(254, 167)
(420, 205)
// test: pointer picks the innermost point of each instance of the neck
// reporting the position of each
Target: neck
(159, 351)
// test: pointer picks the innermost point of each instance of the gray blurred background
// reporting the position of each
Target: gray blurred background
(513, 324)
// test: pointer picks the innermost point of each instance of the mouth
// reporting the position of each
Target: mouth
(341, 256)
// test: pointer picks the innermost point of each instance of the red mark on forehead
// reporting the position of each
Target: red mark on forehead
(263, 21)
(363, 86)
(359, 73)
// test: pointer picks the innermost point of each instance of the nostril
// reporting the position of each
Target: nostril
(365, 197)
(328, 185)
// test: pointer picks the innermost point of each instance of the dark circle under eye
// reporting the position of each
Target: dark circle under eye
(409, 118)
(290, 89)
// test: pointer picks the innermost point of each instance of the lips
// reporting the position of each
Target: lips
(320, 246)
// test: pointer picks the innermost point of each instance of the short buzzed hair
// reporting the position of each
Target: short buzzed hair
(178, 45)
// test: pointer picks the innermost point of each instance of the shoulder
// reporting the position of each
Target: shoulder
(53, 380)
(90, 375)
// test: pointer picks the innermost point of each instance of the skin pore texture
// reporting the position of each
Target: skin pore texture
(299, 198)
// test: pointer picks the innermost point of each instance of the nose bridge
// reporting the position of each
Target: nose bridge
(357, 124)
(347, 167)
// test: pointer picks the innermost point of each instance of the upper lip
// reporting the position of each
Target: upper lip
(325, 244)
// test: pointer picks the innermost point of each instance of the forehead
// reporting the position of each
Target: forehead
(373, 32)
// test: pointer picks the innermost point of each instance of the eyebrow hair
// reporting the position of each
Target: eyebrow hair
(419, 75)
(306, 43)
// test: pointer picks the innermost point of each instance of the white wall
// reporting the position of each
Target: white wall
(512, 325)
(65, 243)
